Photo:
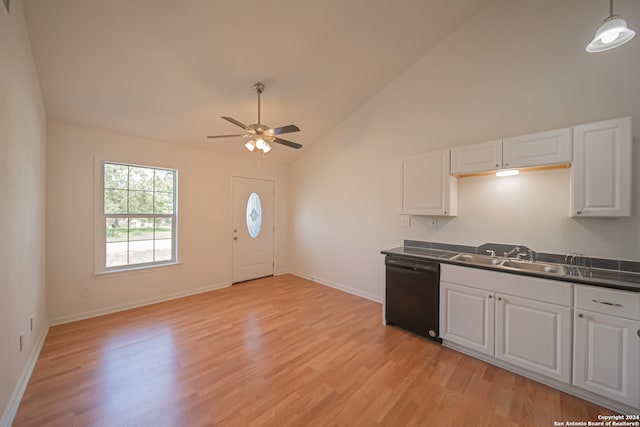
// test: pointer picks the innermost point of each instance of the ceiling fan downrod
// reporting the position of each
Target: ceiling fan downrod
(258, 87)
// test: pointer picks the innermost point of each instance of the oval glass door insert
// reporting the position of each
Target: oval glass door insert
(254, 215)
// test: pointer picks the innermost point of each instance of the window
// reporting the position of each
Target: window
(254, 215)
(139, 214)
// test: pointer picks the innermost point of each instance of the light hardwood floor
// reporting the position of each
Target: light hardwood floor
(272, 352)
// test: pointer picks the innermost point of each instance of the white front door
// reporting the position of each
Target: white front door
(253, 228)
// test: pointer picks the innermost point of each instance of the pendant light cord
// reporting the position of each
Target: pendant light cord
(610, 8)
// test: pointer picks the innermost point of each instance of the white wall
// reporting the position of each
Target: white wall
(204, 192)
(516, 67)
(22, 204)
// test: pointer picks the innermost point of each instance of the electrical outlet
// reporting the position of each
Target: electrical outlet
(405, 221)
(21, 340)
(84, 292)
(31, 323)
(433, 223)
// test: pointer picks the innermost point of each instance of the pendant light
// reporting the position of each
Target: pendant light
(612, 33)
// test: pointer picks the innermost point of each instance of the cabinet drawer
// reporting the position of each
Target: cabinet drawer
(608, 301)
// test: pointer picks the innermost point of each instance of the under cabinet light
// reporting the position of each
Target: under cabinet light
(507, 172)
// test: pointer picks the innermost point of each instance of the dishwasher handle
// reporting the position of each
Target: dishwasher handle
(413, 265)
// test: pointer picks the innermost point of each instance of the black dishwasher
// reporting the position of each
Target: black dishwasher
(412, 296)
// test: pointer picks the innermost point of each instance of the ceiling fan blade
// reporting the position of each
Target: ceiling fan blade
(235, 122)
(224, 136)
(287, 143)
(286, 129)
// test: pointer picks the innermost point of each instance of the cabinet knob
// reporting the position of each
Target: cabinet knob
(638, 332)
(499, 298)
(489, 297)
(579, 212)
(580, 315)
(445, 212)
(506, 164)
(497, 165)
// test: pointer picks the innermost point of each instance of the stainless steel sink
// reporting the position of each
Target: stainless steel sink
(512, 264)
(537, 267)
(477, 259)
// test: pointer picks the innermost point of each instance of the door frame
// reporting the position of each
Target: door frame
(231, 217)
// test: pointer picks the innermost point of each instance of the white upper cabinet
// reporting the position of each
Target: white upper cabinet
(427, 185)
(601, 170)
(485, 156)
(537, 149)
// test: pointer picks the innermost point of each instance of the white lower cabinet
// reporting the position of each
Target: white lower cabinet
(534, 335)
(607, 347)
(533, 325)
(467, 317)
(530, 334)
(519, 320)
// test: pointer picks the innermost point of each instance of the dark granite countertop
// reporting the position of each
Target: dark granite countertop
(616, 279)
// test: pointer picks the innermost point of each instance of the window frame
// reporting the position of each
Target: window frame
(101, 217)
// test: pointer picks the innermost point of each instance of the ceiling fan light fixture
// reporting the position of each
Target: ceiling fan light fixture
(259, 133)
(612, 33)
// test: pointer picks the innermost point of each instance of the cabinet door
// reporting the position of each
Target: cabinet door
(537, 149)
(601, 169)
(427, 186)
(534, 336)
(467, 317)
(486, 156)
(607, 356)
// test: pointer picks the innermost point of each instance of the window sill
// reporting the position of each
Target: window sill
(135, 270)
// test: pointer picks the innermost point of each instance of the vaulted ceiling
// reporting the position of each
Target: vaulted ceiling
(168, 70)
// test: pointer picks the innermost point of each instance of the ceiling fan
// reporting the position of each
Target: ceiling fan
(260, 135)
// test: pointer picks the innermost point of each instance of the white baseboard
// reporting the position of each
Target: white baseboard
(340, 286)
(122, 307)
(18, 391)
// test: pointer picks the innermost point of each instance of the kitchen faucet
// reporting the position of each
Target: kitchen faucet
(516, 250)
(521, 254)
